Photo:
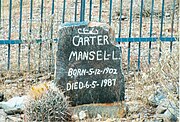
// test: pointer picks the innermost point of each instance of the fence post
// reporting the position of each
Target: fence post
(20, 27)
(30, 32)
(40, 36)
(120, 19)
(140, 35)
(90, 10)
(100, 10)
(129, 44)
(64, 9)
(151, 25)
(75, 14)
(51, 51)
(161, 30)
(9, 35)
(82, 16)
(110, 12)
(172, 24)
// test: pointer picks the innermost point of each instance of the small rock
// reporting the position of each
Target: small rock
(75, 117)
(13, 119)
(170, 115)
(135, 116)
(172, 87)
(167, 15)
(14, 105)
(20, 80)
(2, 115)
(98, 117)
(168, 110)
(124, 17)
(82, 115)
(14, 85)
(110, 120)
(134, 106)
(160, 109)
(8, 81)
(156, 98)
(155, 119)
(45, 78)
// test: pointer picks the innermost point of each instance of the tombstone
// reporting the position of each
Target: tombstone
(88, 63)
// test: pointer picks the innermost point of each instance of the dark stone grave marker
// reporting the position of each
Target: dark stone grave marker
(88, 63)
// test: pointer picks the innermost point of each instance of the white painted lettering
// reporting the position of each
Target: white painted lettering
(92, 39)
(91, 55)
(76, 85)
(70, 72)
(86, 41)
(105, 56)
(72, 55)
(99, 40)
(99, 55)
(113, 56)
(75, 43)
(85, 55)
(68, 86)
(81, 85)
(105, 38)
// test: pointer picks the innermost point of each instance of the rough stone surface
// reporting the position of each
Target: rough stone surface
(134, 106)
(88, 63)
(8, 81)
(156, 98)
(13, 105)
(2, 115)
(168, 110)
(112, 110)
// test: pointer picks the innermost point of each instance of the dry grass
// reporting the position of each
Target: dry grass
(163, 74)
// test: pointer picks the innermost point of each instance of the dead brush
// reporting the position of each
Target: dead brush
(163, 74)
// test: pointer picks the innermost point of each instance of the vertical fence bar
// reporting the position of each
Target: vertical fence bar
(82, 16)
(161, 30)
(75, 14)
(81, 13)
(100, 10)
(20, 26)
(90, 10)
(129, 44)
(84, 9)
(140, 35)
(172, 23)
(30, 32)
(40, 36)
(64, 9)
(52, 14)
(50, 45)
(151, 25)
(120, 19)
(110, 12)
(9, 35)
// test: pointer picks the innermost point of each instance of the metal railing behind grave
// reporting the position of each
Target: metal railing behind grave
(25, 23)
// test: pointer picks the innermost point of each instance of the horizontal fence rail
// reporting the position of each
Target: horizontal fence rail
(142, 39)
(29, 29)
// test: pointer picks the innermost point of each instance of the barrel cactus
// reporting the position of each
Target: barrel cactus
(47, 104)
